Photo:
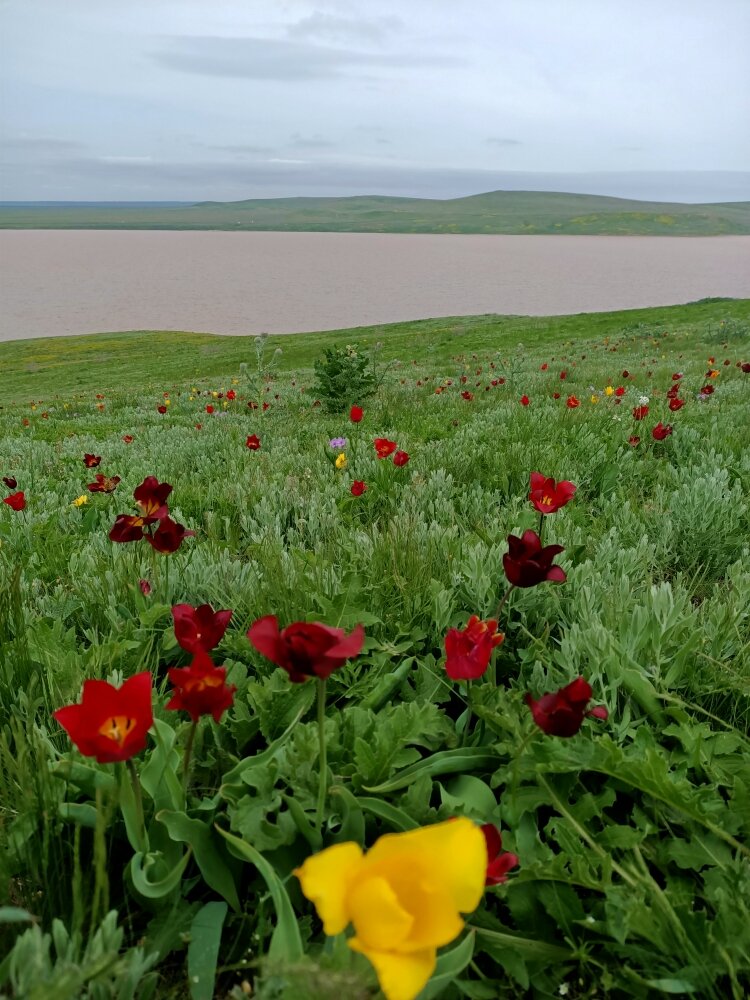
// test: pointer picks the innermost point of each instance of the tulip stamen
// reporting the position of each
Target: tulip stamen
(117, 728)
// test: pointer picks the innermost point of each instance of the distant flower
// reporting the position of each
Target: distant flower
(10, 482)
(110, 723)
(337, 443)
(266, 406)
(305, 649)
(639, 412)
(527, 563)
(91, 461)
(161, 408)
(609, 390)
(562, 713)
(468, 650)
(707, 390)
(544, 367)
(643, 401)
(355, 414)
(358, 488)
(400, 458)
(209, 408)
(145, 587)
(168, 536)
(199, 628)
(676, 404)
(660, 431)
(16, 501)
(468, 396)
(499, 862)
(253, 442)
(384, 447)
(634, 440)
(677, 376)
(128, 438)
(341, 461)
(594, 399)
(620, 390)
(525, 400)
(745, 366)
(626, 374)
(547, 496)
(563, 375)
(103, 484)
(201, 688)
(231, 394)
(80, 501)
(571, 402)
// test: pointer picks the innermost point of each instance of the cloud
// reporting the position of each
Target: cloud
(275, 59)
(331, 28)
(311, 142)
(42, 147)
(500, 141)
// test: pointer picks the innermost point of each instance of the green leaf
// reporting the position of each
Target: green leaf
(457, 761)
(286, 943)
(395, 817)
(15, 915)
(352, 820)
(159, 888)
(449, 965)
(203, 949)
(208, 852)
(159, 774)
(82, 813)
(469, 796)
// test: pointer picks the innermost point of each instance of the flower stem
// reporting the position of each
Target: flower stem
(186, 759)
(138, 796)
(501, 605)
(322, 781)
(467, 727)
(541, 526)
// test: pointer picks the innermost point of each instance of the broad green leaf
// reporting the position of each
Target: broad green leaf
(207, 850)
(158, 888)
(458, 761)
(449, 965)
(203, 949)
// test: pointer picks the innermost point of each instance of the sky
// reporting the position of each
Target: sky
(233, 99)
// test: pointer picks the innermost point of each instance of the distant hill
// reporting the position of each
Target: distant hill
(511, 212)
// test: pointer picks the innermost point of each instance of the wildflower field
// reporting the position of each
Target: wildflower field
(420, 672)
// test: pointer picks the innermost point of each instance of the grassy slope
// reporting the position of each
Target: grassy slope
(512, 212)
(101, 362)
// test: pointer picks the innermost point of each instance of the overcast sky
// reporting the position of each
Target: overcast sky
(230, 99)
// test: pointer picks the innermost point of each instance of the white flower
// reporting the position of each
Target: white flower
(562, 989)
(643, 401)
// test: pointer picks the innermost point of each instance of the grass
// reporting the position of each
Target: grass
(511, 212)
(634, 874)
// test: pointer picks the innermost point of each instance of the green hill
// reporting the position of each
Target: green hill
(510, 212)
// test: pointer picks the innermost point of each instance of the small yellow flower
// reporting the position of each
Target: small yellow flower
(609, 391)
(191, 398)
(341, 461)
(167, 402)
(594, 399)
(215, 394)
(80, 501)
(235, 381)
(404, 897)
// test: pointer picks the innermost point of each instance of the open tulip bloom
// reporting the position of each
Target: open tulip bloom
(547, 496)
(404, 897)
(201, 688)
(199, 628)
(528, 563)
(305, 649)
(499, 862)
(110, 723)
(468, 651)
(562, 712)
(151, 501)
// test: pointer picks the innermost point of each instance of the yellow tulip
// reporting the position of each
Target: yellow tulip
(594, 399)
(80, 501)
(404, 897)
(609, 391)
(341, 461)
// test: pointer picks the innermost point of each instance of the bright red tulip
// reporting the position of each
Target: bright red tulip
(468, 650)
(384, 447)
(527, 563)
(499, 862)
(91, 461)
(639, 412)
(110, 723)
(525, 400)
(209, 408)
(400, 458)
(660, 431)
(199, 628)
(547, 496)
(253, 442)
(231, 395)
(468, 396)
(201, 688)
(305, 649)
(103, 484)
(562, 712)
(358, 488)
(572, 402)
(620, 390)
(355, 414)
(16, 501)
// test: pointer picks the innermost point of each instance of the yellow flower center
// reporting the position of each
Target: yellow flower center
(547, 500)
(117, 728)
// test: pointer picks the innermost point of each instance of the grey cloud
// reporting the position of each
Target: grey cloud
(337, 29)
(274, 59)
(245, 149)
(500, 141)
(311, 142)
(41, 146)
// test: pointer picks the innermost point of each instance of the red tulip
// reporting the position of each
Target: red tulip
(161, 408)
(253, 442)
(572, 402)
(305, 649)
(626, 374)
(91, 461)
(267, 405)
(110, 723)
(468, 650)
(199, 628)
(499, 862)
(145, 587)
(151, 498)
(355, 414)
(384, 447)
(527, 563)
(676, 404)
(707, 390)
(660, 431)
(468, 396)
(745, 366)
(127, 528)
(639, 412)
(128, 438)
(169, 536)
(547, 496)
(10, 482)
(209, 408)
(103, 484)
(620, 390)
(201, 688)
(358, 488)
(677, 376)
(16, 501)
(634, 440)
(400, 458)
(231, 394)
(562, 713)
(525, 400)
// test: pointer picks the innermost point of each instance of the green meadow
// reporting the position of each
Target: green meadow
(509, 212)
(632, 835)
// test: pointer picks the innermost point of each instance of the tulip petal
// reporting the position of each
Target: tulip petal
(325, 879)
(264, 635)
(401, 977)
(378, 917)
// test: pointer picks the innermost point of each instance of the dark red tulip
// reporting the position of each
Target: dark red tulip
(661, 431)
(634, 440)
(91, 461)
(499, 862)
(358, 487)
(161, 408)
(305, 649)
(10, 482)
(562, 712)
(169, 536)
(199, 628)
(547, 496)
(151, 498)
(745, 366)
(639, 412)
(527, 563)
(201, 688)
(110, 723)
(103, 484)
(400, 458)
(253, 442)
(676, 404)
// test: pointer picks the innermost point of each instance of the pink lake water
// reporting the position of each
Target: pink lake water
(54, 283)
